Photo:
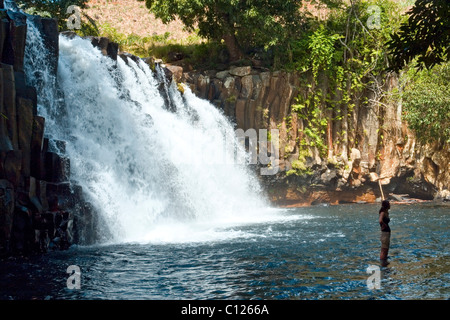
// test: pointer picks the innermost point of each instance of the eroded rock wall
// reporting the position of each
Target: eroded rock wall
(368, 142)
(35, 191)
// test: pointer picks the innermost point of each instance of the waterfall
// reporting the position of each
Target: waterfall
(152, 173)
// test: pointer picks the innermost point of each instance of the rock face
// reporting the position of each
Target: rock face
(39, 207)
(35, 192)
(370, 141)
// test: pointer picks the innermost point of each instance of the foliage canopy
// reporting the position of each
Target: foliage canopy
(240, 24)
(51, 8)
(425, 36)
(426, 101)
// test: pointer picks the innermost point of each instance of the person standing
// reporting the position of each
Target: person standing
(385, 231)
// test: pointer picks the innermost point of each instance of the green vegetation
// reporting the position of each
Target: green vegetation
(341, 59)
(426, 102)
(420, 49)
(299, 167)
(424, 37)
(52, 8)
(241, 25)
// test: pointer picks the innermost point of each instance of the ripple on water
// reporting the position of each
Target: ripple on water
(314, 258)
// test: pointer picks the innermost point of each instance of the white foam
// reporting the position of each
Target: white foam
(152, 174)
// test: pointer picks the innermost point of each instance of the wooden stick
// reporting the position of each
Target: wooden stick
(381, 189)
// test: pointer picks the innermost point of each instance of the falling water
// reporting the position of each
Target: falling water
(153, 174)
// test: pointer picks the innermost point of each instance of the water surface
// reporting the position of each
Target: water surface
(309, 253)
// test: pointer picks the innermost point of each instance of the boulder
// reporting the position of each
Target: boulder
(107, 47)
(112, 50)
(125, 56)
(221, 75)
(203, 85)
(240, 71)
(216, 86)
(177, 72)
(247, 87)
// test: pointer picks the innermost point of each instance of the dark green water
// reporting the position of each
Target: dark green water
(315, 253)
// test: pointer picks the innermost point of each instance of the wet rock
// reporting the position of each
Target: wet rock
(25, 129)
(52, 145)
(8, 51)
(5, 141)
(112, 50)
(23, 165)
(22, 232)
(9, 101)
(33, 194)
(100, 43)
(15, 28)
(12, 166)
(57, 168)
(107, 47)
(84, 224)
(69, 34)
(18, 31)
(3, 29)
(176, 72)
(6, 214)
(36, 144)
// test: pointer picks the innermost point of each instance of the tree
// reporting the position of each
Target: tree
(51, 8)
(238, 23)
(425, 36)
(426, 101)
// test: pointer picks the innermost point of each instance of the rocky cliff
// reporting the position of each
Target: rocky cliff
(365, 143)
(32, 175)
(39, 206)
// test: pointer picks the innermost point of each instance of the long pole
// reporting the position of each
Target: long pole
(381, 189)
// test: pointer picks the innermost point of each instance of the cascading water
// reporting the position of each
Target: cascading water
(152, 174)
